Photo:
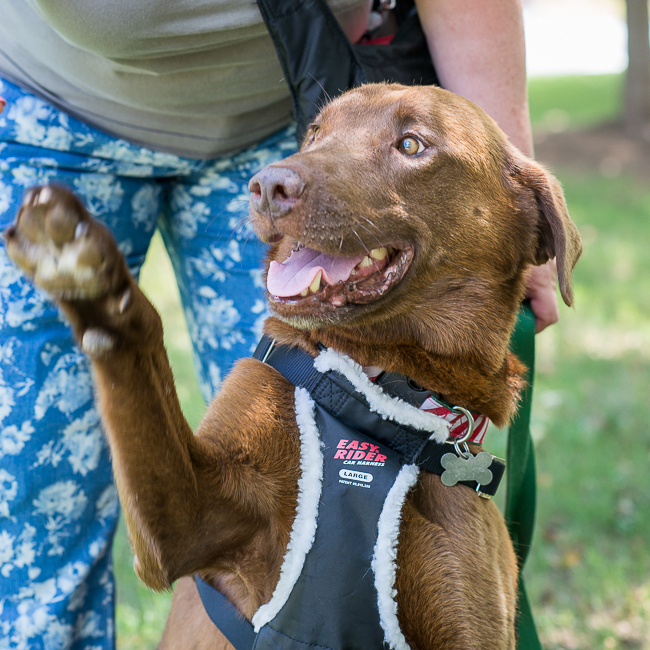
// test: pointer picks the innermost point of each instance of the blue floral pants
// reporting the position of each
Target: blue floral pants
(58, 505)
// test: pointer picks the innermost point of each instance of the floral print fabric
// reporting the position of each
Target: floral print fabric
(58, 505)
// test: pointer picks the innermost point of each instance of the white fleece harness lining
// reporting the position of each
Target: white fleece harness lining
(390, 408)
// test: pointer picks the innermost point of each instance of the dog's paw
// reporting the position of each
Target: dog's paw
(57, 244)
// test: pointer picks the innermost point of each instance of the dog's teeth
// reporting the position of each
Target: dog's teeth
(378, 253)
(315, 285)
(304, 292)
(366, 261)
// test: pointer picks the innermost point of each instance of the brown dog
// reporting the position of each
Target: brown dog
(454, 216)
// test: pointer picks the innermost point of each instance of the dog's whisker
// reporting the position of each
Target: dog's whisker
(328, 97)
(221, 212)
(381, 244)
(241, 221)
(462, 268)
(239, 228)
(435, 270)
(375, 226)
(361, 241)
(249, 236)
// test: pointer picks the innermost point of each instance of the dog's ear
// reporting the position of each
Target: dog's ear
(557, 235)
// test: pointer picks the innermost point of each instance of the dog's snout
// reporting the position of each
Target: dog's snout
(275, 190)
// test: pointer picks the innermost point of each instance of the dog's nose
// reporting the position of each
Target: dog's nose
(275, 190)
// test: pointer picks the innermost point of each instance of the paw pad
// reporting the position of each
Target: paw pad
(57, 244)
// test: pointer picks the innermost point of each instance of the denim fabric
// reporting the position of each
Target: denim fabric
(58, 505)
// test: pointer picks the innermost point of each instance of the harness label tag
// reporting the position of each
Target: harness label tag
(355, 476)
(355, 452)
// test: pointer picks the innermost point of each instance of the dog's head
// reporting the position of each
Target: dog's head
(407, 215)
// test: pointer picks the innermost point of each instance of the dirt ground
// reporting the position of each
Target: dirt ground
(606, 149)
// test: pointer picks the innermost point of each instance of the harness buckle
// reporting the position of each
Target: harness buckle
(463, 465)
(466, 454)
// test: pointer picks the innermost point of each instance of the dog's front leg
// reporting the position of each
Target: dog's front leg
(163, 472)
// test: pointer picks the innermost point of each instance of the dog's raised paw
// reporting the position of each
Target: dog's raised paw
(56, 243)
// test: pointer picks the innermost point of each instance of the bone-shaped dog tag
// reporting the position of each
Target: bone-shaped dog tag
(474, 468)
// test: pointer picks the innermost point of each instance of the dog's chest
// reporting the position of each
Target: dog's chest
(338, 574)
(361, 453)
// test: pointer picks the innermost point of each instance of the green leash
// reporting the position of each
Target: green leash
(521, 492)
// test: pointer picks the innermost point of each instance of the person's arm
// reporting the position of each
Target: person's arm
(478, 50)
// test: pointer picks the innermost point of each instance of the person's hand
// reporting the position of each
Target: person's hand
(540, 290)
(3, 103)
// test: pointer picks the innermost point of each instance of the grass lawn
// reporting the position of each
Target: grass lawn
(589, 571)
(588, 574)
(563, 102)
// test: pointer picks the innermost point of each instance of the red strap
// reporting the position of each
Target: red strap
(382, 40)
(458, 421)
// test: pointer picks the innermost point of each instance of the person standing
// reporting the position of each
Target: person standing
(156, 114)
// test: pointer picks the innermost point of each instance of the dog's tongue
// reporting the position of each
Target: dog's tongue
(294, 275)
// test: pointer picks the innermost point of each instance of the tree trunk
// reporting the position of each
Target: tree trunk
(637, 83)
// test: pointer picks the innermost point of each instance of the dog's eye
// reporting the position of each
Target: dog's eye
(410, 146)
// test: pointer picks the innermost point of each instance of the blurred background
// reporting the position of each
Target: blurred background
(588, 575)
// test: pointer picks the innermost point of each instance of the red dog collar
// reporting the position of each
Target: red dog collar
(458, 421)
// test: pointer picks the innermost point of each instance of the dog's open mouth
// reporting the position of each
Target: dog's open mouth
(309, 275)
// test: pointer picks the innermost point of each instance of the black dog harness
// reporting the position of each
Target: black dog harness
(362, 448)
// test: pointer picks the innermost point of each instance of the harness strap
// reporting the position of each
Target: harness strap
(319, 63)
(306, 54)
(228, 619)
(336, 395)
(298, 368)
(430, 459)
(292, 363)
